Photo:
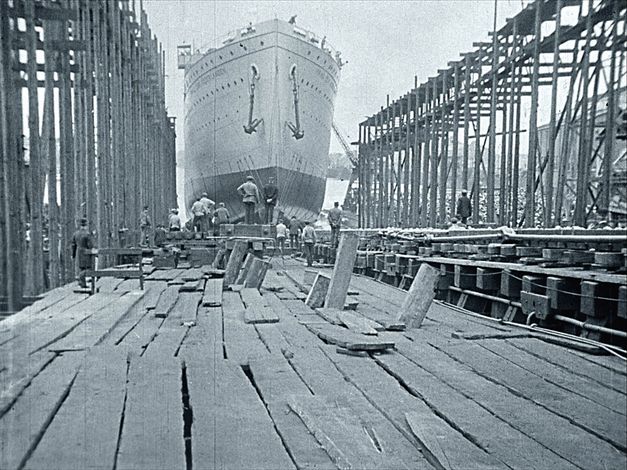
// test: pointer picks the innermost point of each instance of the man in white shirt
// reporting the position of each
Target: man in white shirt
(281, 234)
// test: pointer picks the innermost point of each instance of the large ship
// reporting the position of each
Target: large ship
(261, 105)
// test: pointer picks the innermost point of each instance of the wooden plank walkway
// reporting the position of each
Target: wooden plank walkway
(166, 378)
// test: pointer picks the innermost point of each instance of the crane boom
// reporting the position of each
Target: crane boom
(347, 149)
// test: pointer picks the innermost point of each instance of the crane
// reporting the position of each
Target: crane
(354, 159)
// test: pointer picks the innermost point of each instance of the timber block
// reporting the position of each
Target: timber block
(447, 276)
(622, 302)
(579, 257)
(464, 277)
(508, 250)
(309, 276)
(488, 279)
(553, 254)
(608, 260)
(511, 285)
(318, 291)
(528, 251)
(596, 299)
(494, 248)
(559, 292)
(537, 303)
(536, 284)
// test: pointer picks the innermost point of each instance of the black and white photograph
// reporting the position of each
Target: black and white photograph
(313, 235)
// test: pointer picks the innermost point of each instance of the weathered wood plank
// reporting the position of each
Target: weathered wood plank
(93, 330)
(342, 271)
(468, 426)
(231, 428)
(420, 295)
(519, 412)
(318, 291)
(359, 324)
(277, 381)
(256, 273)
(341, 434)
(349, 340)
(166, 302)
(84, 432)
(212, 296)
(152, 435)
(22, 426)
(235, 262)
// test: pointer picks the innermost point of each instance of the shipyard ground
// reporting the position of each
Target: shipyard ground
(153, 379)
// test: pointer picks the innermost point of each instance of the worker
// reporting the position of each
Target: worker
(82, 243)
(309, 238)
(281, 234)
(160, 236)
(250, 197)
(209, 206)
(144, 224)
(294, 232)
(271, 193)
(174, 222)
(464, 207)
(335, 221)
(221, 216)
(198, 211)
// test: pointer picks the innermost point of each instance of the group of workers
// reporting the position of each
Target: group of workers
(251, 198)
(207, 216)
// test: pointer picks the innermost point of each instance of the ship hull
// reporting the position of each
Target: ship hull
(219, 153)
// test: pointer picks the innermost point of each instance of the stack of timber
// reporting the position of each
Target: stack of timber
(103, 381)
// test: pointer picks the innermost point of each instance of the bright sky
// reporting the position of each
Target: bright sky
(385, 43)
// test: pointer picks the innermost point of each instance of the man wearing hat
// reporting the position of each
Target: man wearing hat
(174, 221)
(464, 207)
(250, 197)
(82, 243)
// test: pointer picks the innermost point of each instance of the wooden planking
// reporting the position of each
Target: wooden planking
(56, 325)
(256, 273)
(97, 327)
(359, 324)
(600, 420)
(241, 341)
(207, 334)
(235, 262)
(231, 427)
(19, 372)
(277, 382)
(152, 435)
(256, 307)
(164, 274)
(22, 426)
(186, 306)
(466, 425)
(192, 274)
(572, 363)
(341, 434)
(516, 410)
(84, 432)
(603, 396)
(348, 339)
(212, 296)
(166, 302)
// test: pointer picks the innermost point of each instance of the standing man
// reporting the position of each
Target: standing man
(82, 242)
(198, 211)
(272, 194)
(221, 216)
(335, 221)
(144, 224)
(174, 221)
(209, 206)
(250, 197)
(281, 234)
(309, 238)
(464, 207)
(294, 229)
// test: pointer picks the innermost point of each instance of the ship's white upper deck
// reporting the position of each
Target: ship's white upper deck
(188, 58)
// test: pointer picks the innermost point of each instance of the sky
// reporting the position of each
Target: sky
(386, 43)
